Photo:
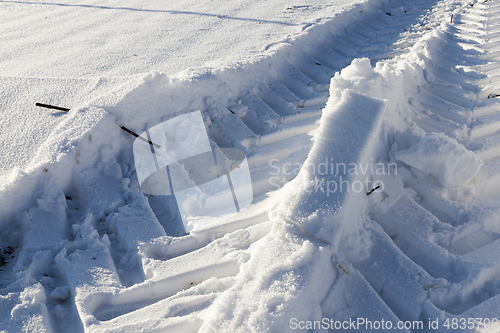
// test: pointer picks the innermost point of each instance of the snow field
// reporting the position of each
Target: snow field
(421, 248)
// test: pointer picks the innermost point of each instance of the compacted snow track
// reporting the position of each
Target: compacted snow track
(446, 236)
(90, 252)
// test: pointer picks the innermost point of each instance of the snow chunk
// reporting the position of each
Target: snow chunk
(359, 70)
(327, 201)
(30, 314)
(443, 157)
(60, 294)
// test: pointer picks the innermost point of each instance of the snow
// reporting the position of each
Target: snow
(443, 157)
(330, 183)
(313, 164)
(69, 54)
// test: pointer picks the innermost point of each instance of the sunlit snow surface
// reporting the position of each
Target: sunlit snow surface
(370, 131)
(69, 53)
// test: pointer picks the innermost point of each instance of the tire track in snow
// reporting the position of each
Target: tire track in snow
(273, 115)
(449, 239)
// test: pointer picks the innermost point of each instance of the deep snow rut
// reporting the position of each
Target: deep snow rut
(129, 266)
(448, 239)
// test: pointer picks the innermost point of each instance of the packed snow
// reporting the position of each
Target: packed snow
(443, 157)
(293, 167)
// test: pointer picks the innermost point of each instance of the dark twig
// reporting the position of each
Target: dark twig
(122, 127)
(373, 190)
(139, 137)
(52, 107)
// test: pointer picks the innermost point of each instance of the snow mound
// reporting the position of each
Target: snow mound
(443, 157)
(348, 136)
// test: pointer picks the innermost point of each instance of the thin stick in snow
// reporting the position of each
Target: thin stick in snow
(48, 106)
(122, 127)
(139, 137)
(373, 190)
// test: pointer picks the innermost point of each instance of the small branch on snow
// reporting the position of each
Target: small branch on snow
(451, 19)
(139, 137)
(338, 265)
(373, 190)
(47, 106)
